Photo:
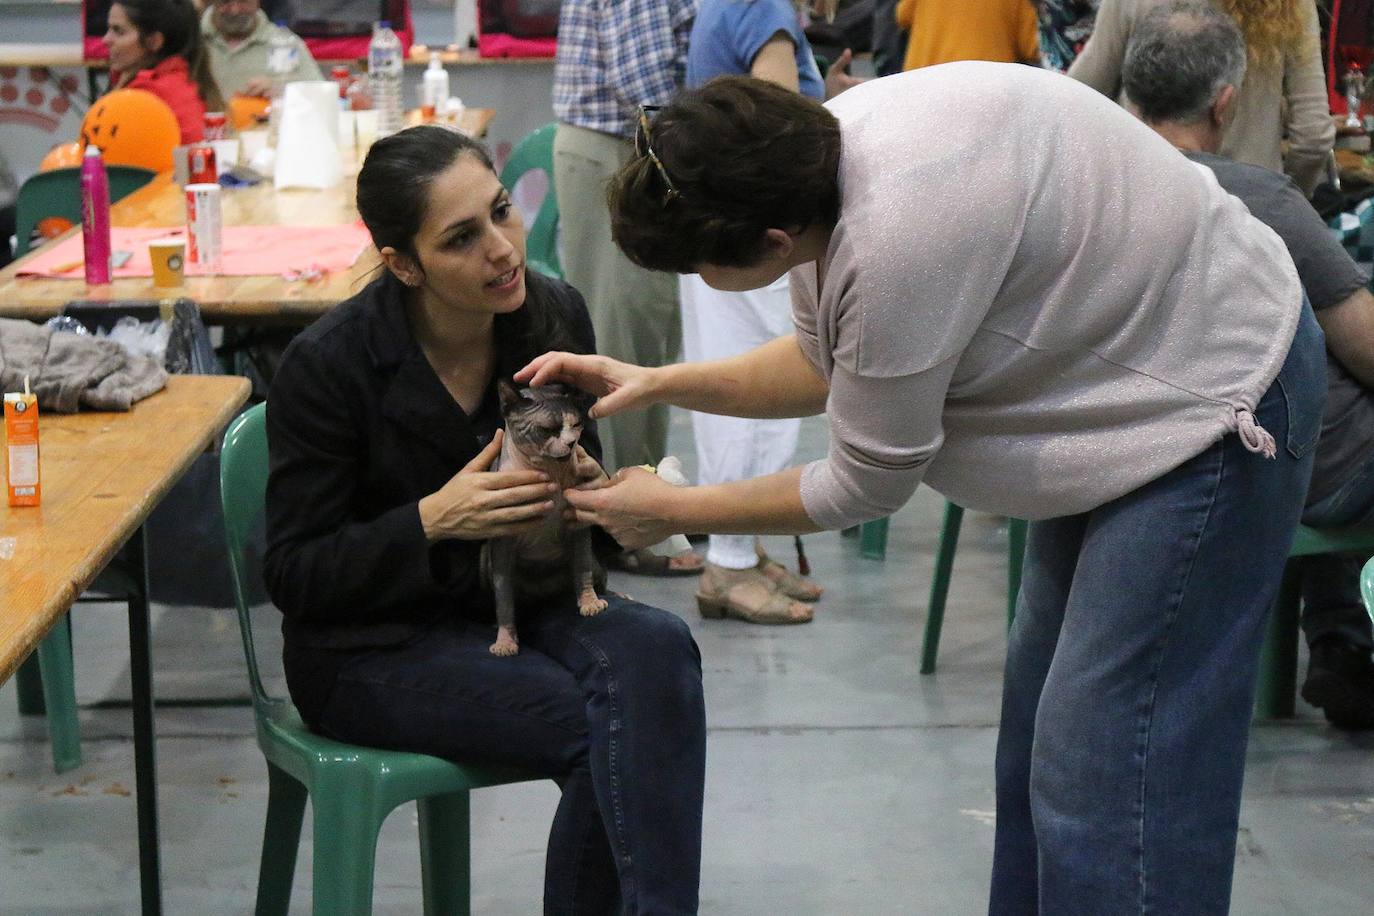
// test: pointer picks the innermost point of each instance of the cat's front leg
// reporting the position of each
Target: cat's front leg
(584, 574)
(501, 555)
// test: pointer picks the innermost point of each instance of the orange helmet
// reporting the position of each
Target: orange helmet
(62, 156)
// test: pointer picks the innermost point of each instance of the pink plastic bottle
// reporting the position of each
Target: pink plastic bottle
(95, 216)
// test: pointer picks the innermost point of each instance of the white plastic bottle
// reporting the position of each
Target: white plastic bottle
(434, 90)
(281, 63)
(384, 73)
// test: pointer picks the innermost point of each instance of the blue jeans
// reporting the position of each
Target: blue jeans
(1130, 674)
(609, 706)
(1331, 602)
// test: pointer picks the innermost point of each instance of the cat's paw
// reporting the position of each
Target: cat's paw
(504, 646)
(591, 606)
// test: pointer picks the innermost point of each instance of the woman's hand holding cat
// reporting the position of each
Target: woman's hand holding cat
(618, 386)
(586, 469)
(629, 507)
(478, 503)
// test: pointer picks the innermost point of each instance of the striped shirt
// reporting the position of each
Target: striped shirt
(615, 55)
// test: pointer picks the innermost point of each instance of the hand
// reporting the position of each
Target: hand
(618, 386)
(838, 78)
(257, 87)
(586, 469)
(630, 506)
(478, 503)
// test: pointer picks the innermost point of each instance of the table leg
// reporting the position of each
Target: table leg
(145, 757)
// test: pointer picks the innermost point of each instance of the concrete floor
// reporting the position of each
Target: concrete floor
(840, 781)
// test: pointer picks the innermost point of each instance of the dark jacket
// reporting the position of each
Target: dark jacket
(359, 429)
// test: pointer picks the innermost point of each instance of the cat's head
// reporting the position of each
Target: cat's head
(546, 422)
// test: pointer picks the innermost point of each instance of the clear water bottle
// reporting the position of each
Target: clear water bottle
(281, 63)
(384, 73)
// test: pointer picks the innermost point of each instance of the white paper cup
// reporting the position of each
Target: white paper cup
(252, 141)
(366, 123)
(226, 154)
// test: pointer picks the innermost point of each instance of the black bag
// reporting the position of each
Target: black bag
(187, 555)
(521, 18)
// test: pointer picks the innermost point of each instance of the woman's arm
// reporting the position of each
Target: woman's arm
(771, 381)
(776, 62)
(1310, 127)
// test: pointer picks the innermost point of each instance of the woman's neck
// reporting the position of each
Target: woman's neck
(460, 346)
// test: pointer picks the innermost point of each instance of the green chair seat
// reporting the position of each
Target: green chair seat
(534, 153)
(1278, 674)
(58, 193)
(352, 789)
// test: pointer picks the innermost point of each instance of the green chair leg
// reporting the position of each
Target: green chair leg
(59, 695)
(873, 539)
(1016, 555)
(445, 867)
(939, 586)
(345, 848)
(28, 681)
(1278, 674)
(281, 840)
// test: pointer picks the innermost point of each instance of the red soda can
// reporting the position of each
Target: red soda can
(340, 75)
(216, 125)
(200, 164)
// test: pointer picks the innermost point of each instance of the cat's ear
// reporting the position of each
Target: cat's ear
(509, 394)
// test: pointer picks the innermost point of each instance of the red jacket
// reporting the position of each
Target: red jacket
(171, 81)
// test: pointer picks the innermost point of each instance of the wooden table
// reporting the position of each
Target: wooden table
(103, 473)
(258, 301)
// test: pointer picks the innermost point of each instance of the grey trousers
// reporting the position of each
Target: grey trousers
(634, 311)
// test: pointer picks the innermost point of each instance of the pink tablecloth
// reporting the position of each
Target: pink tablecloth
(248, 251)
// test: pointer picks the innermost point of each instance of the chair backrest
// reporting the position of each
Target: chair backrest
(58, 193)
(243, 492)
(531, 154)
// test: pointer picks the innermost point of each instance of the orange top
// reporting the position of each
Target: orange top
(996, 30)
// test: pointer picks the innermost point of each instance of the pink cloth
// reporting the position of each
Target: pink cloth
(499, 44)
(248, 250)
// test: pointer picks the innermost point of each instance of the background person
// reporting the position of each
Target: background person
(155, 45)
(941, 32)
(1183, 67)
(382, 425)
(1284, 96)
(1041, 355)
(238, 39)
(612, 58)
(764, 39)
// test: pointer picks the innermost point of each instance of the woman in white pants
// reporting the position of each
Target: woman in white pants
(740, 580)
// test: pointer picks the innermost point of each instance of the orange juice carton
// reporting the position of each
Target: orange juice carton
(21, 448)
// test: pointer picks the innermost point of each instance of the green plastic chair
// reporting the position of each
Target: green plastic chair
(1278, 674)
(352, 789)
(534, 153)
(58, 193)
(944, 567)
(1367, 588)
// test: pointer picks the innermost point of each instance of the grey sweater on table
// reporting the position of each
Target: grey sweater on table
(69, 371)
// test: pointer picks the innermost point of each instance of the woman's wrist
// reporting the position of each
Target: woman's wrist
(429, 517)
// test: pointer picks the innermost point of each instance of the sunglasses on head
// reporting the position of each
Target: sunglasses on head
(644, 148)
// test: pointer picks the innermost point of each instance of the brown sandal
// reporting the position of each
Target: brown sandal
(736, 593)
(645, 562)
(788, 582)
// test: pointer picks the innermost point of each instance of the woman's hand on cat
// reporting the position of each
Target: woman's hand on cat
(586, 469)
(478, 503)
(629, 507)
(618, 386)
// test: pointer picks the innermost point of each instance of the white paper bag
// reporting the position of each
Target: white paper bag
(308, 142)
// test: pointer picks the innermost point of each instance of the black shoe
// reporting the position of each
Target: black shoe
(1340, 680)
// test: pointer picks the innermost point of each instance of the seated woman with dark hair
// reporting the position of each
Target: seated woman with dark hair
(383, 424)
(155, 45)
